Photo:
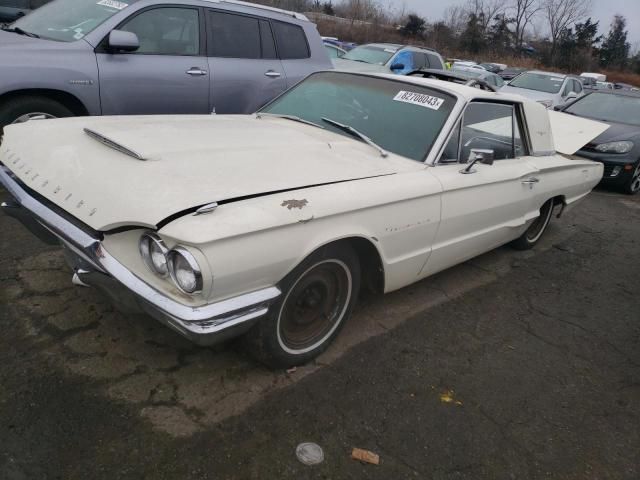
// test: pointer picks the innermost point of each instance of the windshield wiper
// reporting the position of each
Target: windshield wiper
(288, 117)
(356, 133)
(20, 31)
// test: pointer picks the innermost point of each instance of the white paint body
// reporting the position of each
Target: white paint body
(420, 217)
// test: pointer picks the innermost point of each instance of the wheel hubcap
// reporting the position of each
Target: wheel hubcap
(540, 223)
(33, 116)
(314, 306)
(635, 180)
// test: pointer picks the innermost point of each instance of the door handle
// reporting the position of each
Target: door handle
(531, 181)
(271, 74)
(196, 72)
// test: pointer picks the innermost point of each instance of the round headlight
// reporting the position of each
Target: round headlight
(185, 271)
(154, 254)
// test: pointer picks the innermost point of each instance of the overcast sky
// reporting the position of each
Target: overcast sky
(602, 10)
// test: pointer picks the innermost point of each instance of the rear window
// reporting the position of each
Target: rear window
(541, 82)
(291, 40)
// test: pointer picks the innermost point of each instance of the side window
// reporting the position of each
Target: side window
(577, 87)
(291, 40)
(499, 81)
(450, 152)
(419, 60)
(488, 126)
(567, 87)
(405, 58)
(518, 144)
(433, 62)
(166, 31)
(234, 36)
(266, 37)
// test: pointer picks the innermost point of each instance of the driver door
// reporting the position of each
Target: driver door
(167, 74)
(492, 204)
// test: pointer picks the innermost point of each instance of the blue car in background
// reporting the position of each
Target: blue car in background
(389, 58)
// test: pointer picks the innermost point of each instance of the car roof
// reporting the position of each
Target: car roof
(288, 13)
(620, 92)
(398, 46)
(555, 74)
(468, 93)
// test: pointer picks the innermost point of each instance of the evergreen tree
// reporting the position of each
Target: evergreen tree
(472, 40)
(615, 48)
(415, 26)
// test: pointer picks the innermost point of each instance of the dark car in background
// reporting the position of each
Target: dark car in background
(11, 10)
(618, 148)
(510, 73)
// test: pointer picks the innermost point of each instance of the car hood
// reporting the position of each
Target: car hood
(13, 41)
(189, 161)
(619, 132)
(353, 66)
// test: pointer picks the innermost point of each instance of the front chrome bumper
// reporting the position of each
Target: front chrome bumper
(94, 266)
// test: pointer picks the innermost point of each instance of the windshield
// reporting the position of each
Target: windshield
(608, 108)
(400, 117)
(542, 82)
(371, 54)
(69, 20)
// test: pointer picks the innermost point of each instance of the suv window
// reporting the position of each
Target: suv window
(433, 61)
(577, 87)
(292, 42)
(234, 36)
(567, 87)
(488, 126)
(166, 31)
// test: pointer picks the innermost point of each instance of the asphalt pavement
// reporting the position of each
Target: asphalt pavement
(515, 365)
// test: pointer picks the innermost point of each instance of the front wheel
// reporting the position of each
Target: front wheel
(534, 233)
(317, 298)
(23, 109)
(633, 184)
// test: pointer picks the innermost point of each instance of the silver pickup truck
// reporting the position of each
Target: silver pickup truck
(113, 57)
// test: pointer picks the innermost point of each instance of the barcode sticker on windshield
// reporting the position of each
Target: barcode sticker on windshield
(434, 103)
(113, 4)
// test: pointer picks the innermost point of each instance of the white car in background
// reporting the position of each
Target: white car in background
(270, 224)
(549, 89)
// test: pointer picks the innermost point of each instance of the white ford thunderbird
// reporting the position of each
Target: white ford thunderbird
(270, 224)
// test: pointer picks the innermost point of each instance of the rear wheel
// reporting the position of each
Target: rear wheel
(535, 231)
(317, 299)
(633, 184)
(23, 109)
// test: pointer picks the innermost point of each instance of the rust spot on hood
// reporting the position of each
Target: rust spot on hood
(291, 204)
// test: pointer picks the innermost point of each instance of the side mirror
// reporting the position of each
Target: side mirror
(121, 41)
(571, 96)
(484, 156)
(397, 66)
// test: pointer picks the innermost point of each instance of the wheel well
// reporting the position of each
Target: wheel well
(370, 262)
(68, 100)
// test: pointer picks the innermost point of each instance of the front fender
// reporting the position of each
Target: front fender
(70, 69)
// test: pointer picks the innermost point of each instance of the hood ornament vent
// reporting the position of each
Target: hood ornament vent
(115, 145)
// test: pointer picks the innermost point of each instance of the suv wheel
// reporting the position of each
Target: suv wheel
(23, 109)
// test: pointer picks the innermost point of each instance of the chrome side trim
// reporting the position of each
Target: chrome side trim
(225, 312)
(115, 145)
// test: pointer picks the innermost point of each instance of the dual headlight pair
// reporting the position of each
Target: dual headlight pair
(177, 263)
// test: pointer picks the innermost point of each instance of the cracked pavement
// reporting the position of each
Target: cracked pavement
(538, 349)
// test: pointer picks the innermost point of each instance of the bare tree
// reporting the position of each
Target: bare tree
(485, 11)
(455, 17)
(523, 13)
(561, 14)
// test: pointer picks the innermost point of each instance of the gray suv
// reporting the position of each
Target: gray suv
(113, 57)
